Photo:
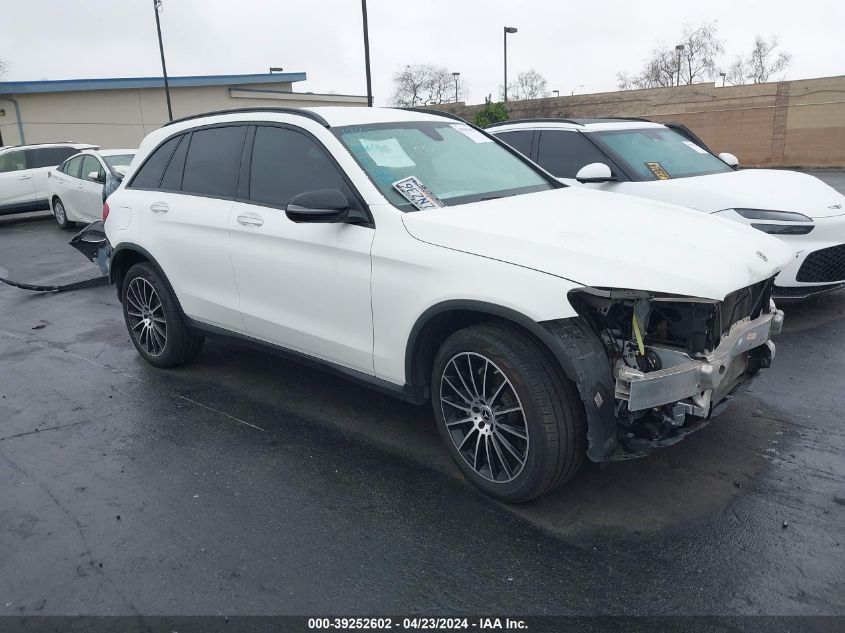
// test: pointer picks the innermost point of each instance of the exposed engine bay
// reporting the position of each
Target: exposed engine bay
(673, 358)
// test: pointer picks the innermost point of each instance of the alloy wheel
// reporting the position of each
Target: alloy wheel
(59, 211)
(146, 316)
(484, 417)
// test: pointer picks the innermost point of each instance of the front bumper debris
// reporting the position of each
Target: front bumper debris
(91, 242)
(704, 382)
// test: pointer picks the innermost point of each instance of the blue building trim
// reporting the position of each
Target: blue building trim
(124, 83)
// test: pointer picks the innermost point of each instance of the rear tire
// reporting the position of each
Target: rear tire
(154, 321)
(60, 213)
(512, 421)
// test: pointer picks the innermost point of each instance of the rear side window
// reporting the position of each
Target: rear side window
(564, 153)
(286, 163)
(520, 140)
(213, 161)
(74, 167)
(12, 161)
(172, 180)
(48, 156)
(149, 176)
(90, 165)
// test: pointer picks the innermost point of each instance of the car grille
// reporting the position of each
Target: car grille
(800, 292)
(825, 265)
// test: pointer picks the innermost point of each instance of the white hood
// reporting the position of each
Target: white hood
(609, 240)
(770, 189)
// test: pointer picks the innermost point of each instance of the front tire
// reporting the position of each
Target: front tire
(60, 213)
(154, 321)
(512, 421)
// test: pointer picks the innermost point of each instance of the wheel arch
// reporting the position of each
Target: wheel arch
(569, 342)
(126, 255)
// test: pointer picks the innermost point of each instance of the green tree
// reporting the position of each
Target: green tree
(491, 113)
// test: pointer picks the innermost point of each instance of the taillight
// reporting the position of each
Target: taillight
(105, 211)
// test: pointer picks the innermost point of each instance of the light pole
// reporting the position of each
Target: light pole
(557, 92)
(576, 88)
(722, 75)
(508, 29)
(456, 75)
(680, 49)
(276, 69)
(367, 54)
(156, 9)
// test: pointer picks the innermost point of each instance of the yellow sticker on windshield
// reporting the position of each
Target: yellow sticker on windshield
(658, 171)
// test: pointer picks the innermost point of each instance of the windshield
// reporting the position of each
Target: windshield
(438, 163)
(658, 153)
(119, 162)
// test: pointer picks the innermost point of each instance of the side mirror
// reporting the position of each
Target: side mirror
(594, 172)
(321, 205)
(94, 176)
(730, 159)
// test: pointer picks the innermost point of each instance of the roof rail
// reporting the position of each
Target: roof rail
(298, 111)
(448, 115)
(541, 120)
(48, 143)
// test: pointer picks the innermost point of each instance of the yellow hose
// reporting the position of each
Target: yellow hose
(638, 335)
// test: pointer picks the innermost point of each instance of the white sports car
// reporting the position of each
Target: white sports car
(669, 163)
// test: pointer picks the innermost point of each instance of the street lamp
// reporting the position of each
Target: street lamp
(680, 49)
(576, 88)
(722, 75)
(156, 9)
(367, 53)
(456, 75)
(508, 29)
(557, 92)
(276, 69)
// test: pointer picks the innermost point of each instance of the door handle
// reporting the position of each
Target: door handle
(79, 185)
(159, 207)
(27, 177)
(252, 220)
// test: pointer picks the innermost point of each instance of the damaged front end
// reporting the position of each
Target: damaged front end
(675, 361)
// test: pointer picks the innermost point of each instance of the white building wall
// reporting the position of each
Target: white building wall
(121, 118)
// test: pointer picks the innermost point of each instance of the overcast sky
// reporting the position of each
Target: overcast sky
(577, 46)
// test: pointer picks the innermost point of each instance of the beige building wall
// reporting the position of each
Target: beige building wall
(121, 118)
(790, 123)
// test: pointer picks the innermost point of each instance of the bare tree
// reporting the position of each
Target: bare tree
(761, 63)
(528, 85)
(419, 84)
(667, 66)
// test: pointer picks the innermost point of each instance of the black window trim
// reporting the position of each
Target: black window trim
(189, 132)
(131, 183)
(243, 191)
(610, 161)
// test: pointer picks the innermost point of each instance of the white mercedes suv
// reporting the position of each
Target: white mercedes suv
(425, 258)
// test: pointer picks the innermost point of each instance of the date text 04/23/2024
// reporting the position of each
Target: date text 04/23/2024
(419, 623)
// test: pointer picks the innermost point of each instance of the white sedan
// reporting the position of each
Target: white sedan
(76, 186)
(670, 164)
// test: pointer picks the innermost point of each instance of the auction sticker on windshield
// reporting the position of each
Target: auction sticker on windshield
(658, 171)
(415, 192)
(387, 153)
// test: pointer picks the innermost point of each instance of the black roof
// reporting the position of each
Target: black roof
(577, 121)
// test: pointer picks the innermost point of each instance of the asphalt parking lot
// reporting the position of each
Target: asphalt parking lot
(247, 484)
